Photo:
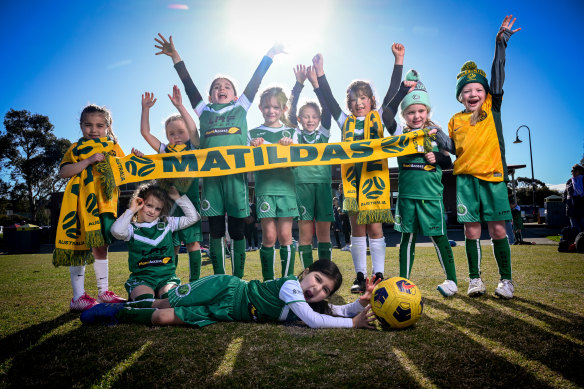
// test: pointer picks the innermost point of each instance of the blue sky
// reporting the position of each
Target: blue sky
(58, 56)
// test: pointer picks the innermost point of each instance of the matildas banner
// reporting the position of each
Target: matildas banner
(221, 161)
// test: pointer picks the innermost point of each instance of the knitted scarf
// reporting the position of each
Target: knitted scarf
(88, 195)
(372, 200)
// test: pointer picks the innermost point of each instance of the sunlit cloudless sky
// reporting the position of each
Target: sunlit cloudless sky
(58, 56)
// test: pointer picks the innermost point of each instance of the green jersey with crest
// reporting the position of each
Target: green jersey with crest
(223, 124)
(268, 301)
(313, 174)
(274, 181)
(151, 249)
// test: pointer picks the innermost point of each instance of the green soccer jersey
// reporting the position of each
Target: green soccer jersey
(419, 179)
(223, 124)
(269, 301)
(274, 181)
(150, 248)
(313, 174)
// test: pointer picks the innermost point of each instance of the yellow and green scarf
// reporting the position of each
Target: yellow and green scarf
(88, 195)
(372, 201)
(182, 184)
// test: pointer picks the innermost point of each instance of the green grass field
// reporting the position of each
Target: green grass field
(534, 340)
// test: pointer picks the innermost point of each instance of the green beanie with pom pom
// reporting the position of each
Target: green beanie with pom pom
(469, 73)
(419, 95)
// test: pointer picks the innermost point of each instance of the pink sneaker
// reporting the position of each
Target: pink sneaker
(110, 297)
(83, 303)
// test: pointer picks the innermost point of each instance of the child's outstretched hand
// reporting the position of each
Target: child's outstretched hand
(399, 51)
(285, 141)
(166, 47)
(278, 48)
(364, 318)
(370, 284)
(318, 63)
(410, 84)
(136, 204)
(311, 75)
(507, 25)
(137, 152)
(176, 97)
(430, 157)
(173, 193)
(257, 142)
(300, 73)
(148, 100)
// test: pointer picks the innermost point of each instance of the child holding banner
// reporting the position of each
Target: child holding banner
(222, 123)
(275, 188)
(148, 230)
(182, 135)
(366, 185)
(313, 183)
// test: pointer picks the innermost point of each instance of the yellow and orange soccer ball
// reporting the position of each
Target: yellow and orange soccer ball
(397, 303)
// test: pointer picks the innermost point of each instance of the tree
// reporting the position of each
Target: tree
(525, 191)
(29, 156)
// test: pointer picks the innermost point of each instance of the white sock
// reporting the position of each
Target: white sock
(359, 253)
(77, 281)
(101, 274)
(377, 248)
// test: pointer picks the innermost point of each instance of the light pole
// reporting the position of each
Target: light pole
(517, 140)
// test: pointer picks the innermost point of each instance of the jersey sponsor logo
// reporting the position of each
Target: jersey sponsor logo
(139, 166)
(205, 205)
(223, 131)
(154, 262)
(461, 210)
(265, 207)
(418, 166)
(183, 290)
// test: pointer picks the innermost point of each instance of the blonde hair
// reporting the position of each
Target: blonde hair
(277, 93)
(107, 116)
(309, 104)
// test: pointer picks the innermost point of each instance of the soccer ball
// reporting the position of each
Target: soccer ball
(397, 303)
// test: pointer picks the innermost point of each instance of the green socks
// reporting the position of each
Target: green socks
(136, 315)
(217, 255)
(473, 256)
(194, 265)
(305, 252)
(502, 254)
(445, 256)
(267, 260)
(287, 254)
(325, 250)
(238, 258)
(407, 248)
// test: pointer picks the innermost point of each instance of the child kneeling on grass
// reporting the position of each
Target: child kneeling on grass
(228, 298)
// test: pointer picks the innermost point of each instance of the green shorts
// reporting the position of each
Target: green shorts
(155, 283)
(188, 235)
(276, 206)
(209, 299)
(225, 194)
(479, 200)
(315, 202)
(415, 215)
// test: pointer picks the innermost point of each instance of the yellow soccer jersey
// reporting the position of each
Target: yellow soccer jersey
(479, 149)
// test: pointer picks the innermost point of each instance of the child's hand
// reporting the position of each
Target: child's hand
(257, 142)
(148, 100)
(136, 204)
(173, 193)
(433, 131)
(176, 97)
(167, 47)
(398, 50)
(370, 284)
(95, 158)
(410, 84)
(507, 25)
(285, 141)
(311, 75)
(430, 157)
(364, 318)
(300, 73)
(318, 63)
(278, 48)
(137, 152)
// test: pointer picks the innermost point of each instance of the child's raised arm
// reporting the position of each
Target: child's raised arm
(327, 94)
(390, 110)
(498, 68)
(300, 74)
(325, 116)
(176, 100)
(148, 101)
(399, 52)
(167, 48)
(72, 169)
(254, 83)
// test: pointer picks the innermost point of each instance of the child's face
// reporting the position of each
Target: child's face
(177, 133)
(360, 104)
(151, 210)
(416, 115)
(473, 96)
(272, 111)
(316, 286)
(93, 126)
(222, 92)
(309, 119)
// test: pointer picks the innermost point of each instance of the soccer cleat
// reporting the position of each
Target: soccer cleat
(83, 303)
(110, 297)
(346, 248)
(447, 288)
(378, 276)
(359, 284)
(505, 289)
(102, 314)
(476, 288)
